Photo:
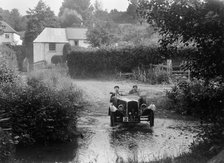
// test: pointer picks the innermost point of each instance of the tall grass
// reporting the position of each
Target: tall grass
(151, 75)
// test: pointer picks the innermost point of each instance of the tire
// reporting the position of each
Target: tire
(112, 119)
(151, 118)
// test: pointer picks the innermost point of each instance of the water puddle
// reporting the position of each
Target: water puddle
(122, 143)
(132, 142)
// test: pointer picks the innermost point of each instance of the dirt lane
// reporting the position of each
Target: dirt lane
(125, 143)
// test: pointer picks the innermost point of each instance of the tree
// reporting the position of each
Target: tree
(39, 18)
(14, 19)
(132, 8)
(101, 34)
(17, 21)
(196, 24)
(77, 11)
(101, 30)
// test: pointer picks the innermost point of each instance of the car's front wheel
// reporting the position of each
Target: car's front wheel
(112, 119)
(151, 118)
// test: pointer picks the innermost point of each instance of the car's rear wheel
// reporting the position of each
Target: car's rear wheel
(112, 118)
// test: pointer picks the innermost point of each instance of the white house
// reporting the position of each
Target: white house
(9, 35)
(51, 41)
(77, 37)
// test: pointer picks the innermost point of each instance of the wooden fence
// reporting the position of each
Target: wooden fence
(175, 73)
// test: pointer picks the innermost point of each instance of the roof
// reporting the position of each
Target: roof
(7, 28)
(61, 35)
(76, 33)
(54, 35)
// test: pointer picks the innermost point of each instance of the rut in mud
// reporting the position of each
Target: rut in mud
(123, 143)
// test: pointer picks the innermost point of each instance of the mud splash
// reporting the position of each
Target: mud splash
(132, 142)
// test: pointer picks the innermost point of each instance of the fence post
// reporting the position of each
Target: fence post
(189, 75)
(169, 66)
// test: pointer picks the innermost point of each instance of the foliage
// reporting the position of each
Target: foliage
(151, 75)
(76, 11)
(42, 109)
(194, 23)
(132, 8)
(6, 146)
(7, 75)
(57, 59)
(121, 17)
(39, 18)
(101, 34)
(8, 56)
(138, 34)
(66, 50)
(20, 52)
(14, 19)
(111, 60)
(204, 102)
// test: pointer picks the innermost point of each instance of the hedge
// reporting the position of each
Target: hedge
(111, 60)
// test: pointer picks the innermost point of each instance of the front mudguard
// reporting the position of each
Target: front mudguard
(150, 114)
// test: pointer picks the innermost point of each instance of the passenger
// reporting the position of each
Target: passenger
(134, 90)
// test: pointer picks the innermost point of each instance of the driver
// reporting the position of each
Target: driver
(115, 94)
(113, 97)
(134, 90)
(116, 90)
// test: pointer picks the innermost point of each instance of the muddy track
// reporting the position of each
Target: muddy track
(137, 143)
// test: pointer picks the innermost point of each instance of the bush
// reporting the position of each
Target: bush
(42, 111)
(6, 146)
(20, 52)
(111, 60)
(200, 100)
(8, 56)
(151, 75)
(7, 75)
(7, 78)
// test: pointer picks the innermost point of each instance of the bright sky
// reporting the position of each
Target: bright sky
(24, 5)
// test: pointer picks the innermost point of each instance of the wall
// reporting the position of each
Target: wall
(38, 52)
(41, 52)
(6, 40)
(14, 39)
(82, 43)
(17, 39)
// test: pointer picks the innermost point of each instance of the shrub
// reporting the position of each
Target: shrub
(20, 52)
(111, 60)
(204, 101)
(57, 59)
(6, 146)
(66, 50)
(200, 100)
(8, 56)
(7, 78)
(151, 75)
(7, 75)
(41, 111)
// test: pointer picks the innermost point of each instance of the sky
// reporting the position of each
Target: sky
(24, 5)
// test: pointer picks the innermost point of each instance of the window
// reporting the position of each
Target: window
(76, 42)
(6, 35)
(52, 47)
